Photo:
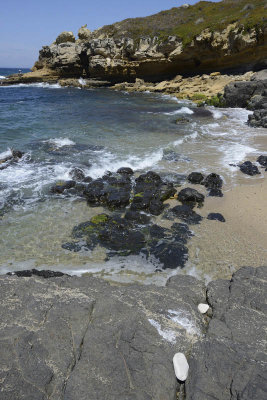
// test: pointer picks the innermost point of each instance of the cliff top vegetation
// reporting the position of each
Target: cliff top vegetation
(188, 22)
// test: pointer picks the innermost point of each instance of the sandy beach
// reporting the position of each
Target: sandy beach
(218, 249)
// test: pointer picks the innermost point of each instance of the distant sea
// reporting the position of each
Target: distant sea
(9, 71)
(98, 130)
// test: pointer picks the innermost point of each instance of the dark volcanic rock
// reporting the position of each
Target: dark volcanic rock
(125, 170)
(213, 181)
(61, 186)
(112, 190)
(230, 362)
(14, 157)
(138, 217)
(262, 160)
(77, 174)
(87, 179)
(216, 217)
(195, 177)
(249, 169)
(215, 193)
(185, 213)
(132, 235)
(189, 195)
(150, 192)
(17, 153)
(43, 273)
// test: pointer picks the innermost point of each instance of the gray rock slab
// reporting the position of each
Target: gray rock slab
(230, 362)
(81, 338)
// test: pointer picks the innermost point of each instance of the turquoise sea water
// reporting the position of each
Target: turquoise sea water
(98, 130)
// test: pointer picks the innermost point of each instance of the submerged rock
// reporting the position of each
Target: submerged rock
(77, 174)
(182, 120)
(249, 169)
(61, 186)
(133, 235)
(172, 156)
(13, 157)
(185, 213)
(181, 366)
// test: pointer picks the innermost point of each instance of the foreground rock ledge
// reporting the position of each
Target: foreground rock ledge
(81, 338)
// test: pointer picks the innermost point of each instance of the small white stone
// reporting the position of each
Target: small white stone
(181, 366)
(203, 308)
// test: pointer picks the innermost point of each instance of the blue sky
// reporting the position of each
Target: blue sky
(27, 25)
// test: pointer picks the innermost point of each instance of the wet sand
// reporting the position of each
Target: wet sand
(220, 248)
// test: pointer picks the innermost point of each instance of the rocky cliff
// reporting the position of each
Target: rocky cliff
(194, 39)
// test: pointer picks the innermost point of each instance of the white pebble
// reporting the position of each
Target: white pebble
(203, 308)
(181, 366)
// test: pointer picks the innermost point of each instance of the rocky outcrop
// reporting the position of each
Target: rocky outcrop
(82, 339)
(65, 37)
(161, 46)
(251, 94)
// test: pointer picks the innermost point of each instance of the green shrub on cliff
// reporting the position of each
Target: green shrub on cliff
(187, 23)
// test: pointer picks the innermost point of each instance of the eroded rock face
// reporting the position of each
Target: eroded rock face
(115, 56)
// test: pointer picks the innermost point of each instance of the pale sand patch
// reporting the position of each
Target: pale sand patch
(218, 249)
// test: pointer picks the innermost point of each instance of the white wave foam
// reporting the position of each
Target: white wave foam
(235, 152)
(216, 113)
(169, 97)
(60, 142)
(183, 110)
(82, 81)
(166, 334)
(5, 154)
(184, 320)
(186, 138)
(109, 162)
(2, 77)
(43, 85)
